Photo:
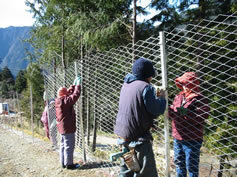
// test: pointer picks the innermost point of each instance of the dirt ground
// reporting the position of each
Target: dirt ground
(20, 157)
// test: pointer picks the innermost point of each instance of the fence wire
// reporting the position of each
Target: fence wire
(207, 48)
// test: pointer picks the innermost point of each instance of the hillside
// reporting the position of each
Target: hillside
(12, 48)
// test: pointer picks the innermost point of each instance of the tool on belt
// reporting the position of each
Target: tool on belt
(113, 157)
(130, 158)
(131, 161)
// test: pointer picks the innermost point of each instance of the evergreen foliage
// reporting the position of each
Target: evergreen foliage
(174, 13)
(66, 30)
(68, 26)
(35, 78)
(7, 83)
(20, 83)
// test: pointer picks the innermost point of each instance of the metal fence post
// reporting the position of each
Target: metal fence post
(164, 86)
(81, 113)
(88, 104)
(19, 114)
(47, 104)
(95, 108)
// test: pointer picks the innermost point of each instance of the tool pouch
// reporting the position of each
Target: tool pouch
(131, 161)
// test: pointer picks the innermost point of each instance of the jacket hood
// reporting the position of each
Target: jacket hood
(190, 80)
(130, 78)
(62, 91)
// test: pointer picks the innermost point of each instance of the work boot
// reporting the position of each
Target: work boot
(73, 166)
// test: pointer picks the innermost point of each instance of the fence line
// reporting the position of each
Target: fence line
(208, 48)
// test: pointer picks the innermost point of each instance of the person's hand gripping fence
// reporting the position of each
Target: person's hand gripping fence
(182, 111)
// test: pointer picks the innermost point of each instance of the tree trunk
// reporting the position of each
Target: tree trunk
(134, 27)
(222, 163)
(94, 130)
(63, 51)
(95, 112)
(202, 9)
(31, 111)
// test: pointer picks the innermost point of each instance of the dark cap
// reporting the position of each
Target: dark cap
(143, 68)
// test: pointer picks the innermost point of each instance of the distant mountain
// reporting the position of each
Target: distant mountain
(12, 48)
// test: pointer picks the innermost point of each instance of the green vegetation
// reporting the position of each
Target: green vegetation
(21, 81)
(7, 83)
(35, 80)
(21, 85)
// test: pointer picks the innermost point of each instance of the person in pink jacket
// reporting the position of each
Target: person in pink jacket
(66, 123)
(44, 120)
(188, 113)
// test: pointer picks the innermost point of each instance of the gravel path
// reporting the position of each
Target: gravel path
(19, 157)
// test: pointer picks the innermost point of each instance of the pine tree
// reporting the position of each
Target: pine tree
(20, 83)
(35, 78)
(7, 82)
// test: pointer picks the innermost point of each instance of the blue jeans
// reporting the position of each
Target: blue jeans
(186, 157)
(67, 148)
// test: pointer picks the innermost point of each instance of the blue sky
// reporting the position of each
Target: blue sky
(14, 13)
(145, 3)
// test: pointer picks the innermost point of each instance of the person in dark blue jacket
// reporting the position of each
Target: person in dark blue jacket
(139, 105)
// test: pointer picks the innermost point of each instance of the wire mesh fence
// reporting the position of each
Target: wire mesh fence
(102, 77)
(208, 49)
(14, 120)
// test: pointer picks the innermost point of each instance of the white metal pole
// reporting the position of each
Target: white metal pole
(81, 114)
(18, 113)
(47, 104)
(164, 86)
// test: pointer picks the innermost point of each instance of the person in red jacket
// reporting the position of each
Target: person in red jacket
(188, 113)
(66, 123)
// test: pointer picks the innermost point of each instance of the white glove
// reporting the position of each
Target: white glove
(77, 81)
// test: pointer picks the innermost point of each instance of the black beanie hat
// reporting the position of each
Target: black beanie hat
(143, 68)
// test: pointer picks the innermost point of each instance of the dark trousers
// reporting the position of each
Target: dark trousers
(146, 161)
